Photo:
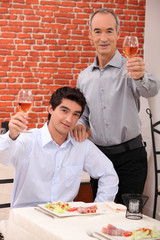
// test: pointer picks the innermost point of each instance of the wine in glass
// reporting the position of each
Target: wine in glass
(25, 101)
(130, 47)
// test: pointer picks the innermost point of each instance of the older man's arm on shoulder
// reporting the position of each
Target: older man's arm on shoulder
(100, 167)
(80, 130)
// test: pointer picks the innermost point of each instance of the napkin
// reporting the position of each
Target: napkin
(116, 207)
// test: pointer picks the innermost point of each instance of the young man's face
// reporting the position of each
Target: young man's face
(104, 34)
(64, 117)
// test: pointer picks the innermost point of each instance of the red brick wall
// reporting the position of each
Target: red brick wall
(44, 44)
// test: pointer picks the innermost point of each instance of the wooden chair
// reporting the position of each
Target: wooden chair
(5, 180)
(155, 133)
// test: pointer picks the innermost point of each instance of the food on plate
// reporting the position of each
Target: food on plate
(58, 207)
(139, 234)
(145, 233)
(61, 207)
(117, 207)
(114, 231)
(91, 209)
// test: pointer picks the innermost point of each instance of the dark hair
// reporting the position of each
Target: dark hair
(104, 11)
(73, 94)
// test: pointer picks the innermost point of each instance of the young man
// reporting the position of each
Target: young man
(48, 162)
(113, 104)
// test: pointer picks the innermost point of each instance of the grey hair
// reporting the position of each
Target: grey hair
(105, 11)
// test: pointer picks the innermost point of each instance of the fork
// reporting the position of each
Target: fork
(91, 234)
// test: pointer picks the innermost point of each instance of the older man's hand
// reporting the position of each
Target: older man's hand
(136, 67)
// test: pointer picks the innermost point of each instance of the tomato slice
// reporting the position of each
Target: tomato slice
(144, 230)
(72, 209)
(127, 234)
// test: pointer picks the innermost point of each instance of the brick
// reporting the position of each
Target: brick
(69, 3)
(3, 23)
(8, 35)
(11, 29)
(42, 14)
(29, 12)
(20, 53)
(32, 1)
(31, 24)
(47, 81)
(23, 47)
(59, 54)
(64, 15)
(33, 18)
(63, 20)
(15, 23)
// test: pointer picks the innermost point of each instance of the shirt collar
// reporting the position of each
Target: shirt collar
(116, 61)
(46, 136)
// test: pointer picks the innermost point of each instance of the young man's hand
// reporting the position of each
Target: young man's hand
(17, 124)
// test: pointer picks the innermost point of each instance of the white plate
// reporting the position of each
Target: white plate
(75, 213)
(127, 227)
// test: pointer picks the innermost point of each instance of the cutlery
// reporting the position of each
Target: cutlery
(40, 210)
(91, 234)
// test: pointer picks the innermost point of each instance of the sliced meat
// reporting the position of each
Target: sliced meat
(91, 209)
(113, 231)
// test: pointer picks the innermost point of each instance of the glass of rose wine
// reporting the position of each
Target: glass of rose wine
(25, 101)
(130, 47)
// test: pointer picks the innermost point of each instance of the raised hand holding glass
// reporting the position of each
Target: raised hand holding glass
(25, 101)
(130, 48)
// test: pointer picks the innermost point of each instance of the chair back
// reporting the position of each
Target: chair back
(155, 133)
(6, 181)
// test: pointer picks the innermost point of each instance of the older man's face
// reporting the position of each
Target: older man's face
(104, 35)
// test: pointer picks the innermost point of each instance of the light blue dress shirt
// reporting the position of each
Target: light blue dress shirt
(47, 172)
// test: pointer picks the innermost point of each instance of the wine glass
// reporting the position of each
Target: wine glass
(25, 101)
(130, 47)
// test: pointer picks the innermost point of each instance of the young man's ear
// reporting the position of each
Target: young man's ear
(50, 109)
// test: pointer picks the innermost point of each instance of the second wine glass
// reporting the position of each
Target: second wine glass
(25, 101)
(130, 47)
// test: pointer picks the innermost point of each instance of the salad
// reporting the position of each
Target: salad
(58, 207)
(145, 233)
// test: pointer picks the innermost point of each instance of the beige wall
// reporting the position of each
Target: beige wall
(152, 59)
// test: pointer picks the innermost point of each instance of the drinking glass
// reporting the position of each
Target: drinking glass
(130, 48)
(2, 130)
(134, 203)
(25, 101)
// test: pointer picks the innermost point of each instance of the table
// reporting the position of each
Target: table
(29, 224)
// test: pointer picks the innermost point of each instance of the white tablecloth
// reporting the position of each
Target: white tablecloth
(29, 224)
